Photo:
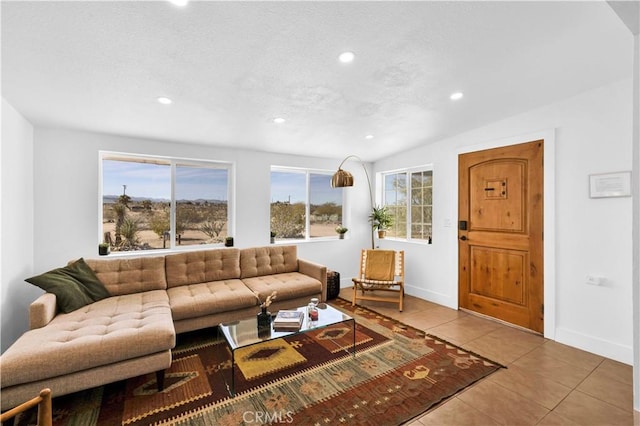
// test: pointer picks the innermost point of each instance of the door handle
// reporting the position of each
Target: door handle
(463, 238)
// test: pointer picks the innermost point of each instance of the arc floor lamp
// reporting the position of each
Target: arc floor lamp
(343, 178)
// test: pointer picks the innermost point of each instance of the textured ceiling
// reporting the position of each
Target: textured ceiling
(231, 67)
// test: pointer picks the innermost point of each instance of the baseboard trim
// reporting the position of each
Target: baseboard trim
(605, 348)
(431, 296)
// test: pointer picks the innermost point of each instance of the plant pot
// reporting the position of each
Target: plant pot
(341, 236)
(381, 233)
(228, 242)
(103, 250)
(273, 240)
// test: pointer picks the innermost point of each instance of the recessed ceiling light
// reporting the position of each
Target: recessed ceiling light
(346, 57)
(369, 137)
(164, 100)
(279, 120)
(180, 3)
(456, 96)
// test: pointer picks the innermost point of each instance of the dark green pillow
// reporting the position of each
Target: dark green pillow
(88, 279)
(75, 285)
(70, 294)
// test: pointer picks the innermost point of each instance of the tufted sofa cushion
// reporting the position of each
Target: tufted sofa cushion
(130, 275)
(110, 330)
(197, 300)
(289, 285)
(202, 266)
(268, 260)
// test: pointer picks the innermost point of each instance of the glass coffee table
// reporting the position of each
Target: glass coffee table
(244, 333)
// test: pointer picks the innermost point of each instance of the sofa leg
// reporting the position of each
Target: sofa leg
(160, 380)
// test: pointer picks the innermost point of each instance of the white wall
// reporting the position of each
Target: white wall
(66, 194)
(66, 182)
(592, 133)
(636, 219)
(16, 222)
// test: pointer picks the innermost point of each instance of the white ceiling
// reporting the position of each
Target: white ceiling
(231, 67)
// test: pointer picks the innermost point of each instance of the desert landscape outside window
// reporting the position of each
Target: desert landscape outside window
(408, 196)
(161, 203)
(303, 204)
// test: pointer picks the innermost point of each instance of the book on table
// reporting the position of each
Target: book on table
(288, 320)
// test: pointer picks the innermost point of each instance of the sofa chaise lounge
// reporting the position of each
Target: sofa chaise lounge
(151, 298)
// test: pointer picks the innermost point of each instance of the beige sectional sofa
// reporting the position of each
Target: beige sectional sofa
(151, 299)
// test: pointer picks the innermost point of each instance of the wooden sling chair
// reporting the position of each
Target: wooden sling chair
(380, 270)
(45, 409)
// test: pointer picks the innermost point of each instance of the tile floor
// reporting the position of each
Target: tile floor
(545, 383)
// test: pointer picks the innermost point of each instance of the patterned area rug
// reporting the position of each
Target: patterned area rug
(398, 373)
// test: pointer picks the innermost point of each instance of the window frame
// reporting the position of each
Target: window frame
(307, 232)
(408, 172)
(173, 163)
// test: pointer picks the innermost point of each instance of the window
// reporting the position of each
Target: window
(303, 204)
(160, 203)
(408, 196)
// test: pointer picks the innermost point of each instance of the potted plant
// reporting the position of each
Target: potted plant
(381, 219)
(103, 249)
(273, 237)
(341, 230)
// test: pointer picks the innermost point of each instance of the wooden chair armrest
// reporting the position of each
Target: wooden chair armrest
(45, 411)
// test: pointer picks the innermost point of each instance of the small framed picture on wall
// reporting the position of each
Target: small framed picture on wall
(606, 185)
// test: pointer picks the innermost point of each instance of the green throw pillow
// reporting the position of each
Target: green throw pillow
(88, 279)
(70, 294)
(75, 285)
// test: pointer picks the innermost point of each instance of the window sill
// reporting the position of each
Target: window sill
(310, 240)
(158, 252)
(406, 241)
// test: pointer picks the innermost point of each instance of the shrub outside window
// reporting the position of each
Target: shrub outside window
(408, 195)
(152, 203)
(395, 199)
(303, 204)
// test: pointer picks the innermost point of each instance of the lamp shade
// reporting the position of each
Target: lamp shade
(341, 178)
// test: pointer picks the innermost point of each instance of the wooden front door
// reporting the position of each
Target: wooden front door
(500, 233)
